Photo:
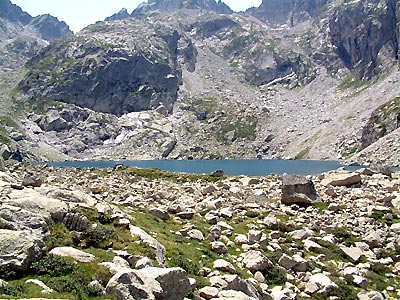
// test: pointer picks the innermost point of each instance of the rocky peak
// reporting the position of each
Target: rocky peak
(13, 13)
(122, 14)
(49, 27)
(173, 5)
(290, 12)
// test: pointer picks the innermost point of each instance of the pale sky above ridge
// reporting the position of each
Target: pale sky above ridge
(80, 13)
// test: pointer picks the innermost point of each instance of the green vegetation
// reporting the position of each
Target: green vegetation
(303, 154)
(243, 128)
(154, 173)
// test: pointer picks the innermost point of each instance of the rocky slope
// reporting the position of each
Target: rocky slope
(290, 79)
(129, 233)
(21, 37)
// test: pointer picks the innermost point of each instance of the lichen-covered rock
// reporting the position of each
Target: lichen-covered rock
(150, 283)
(298, 189)
(19, 249)
(73, 253)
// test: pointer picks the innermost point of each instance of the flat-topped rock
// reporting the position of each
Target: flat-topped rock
(73, 253)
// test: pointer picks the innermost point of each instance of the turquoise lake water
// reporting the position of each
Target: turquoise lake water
(230, 167)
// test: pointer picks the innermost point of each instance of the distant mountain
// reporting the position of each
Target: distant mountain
(13, 13)
(122, 14)
(173, 5)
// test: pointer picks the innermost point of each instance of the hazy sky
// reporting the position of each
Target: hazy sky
(80, 13)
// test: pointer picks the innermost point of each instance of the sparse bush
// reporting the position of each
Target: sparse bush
(54, 266)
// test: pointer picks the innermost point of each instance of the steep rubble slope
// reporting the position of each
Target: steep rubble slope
(191, 83)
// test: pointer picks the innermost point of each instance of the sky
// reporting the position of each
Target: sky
(80, 13)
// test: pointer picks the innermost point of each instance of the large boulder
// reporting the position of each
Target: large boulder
(19, 249)
(149, 240)
(16, 218)
(73, 253)
(234, 282)
(150, 283)
(342, 179)
(255, 261)
(298, 189)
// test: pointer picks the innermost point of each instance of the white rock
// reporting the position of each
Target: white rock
(319, 282)
(208, 292)
(352, 253)
(254, 261)
(45, 289)
(144, 262)
(75, 254)
(224, 266)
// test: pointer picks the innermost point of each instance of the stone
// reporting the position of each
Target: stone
(342, 179)
(319, 282)
(301, 234)
(45, 289)
(254, 261)
(95, 288)
(310, 245)
(353, 254)
(301, 264)
(208, 292)
(395, 227)
(159, 213)
(241, 239)
(19, 249)
(219, 247)
(234, 282)
(196, 234)
(32, 180)
(224, 266)
(16, 218)
(186, 214)
(218, 173)
(152, 242)
(150, 283)
(246, 181)
(2, 165)
(287, 262)
(372, 295)
(360, 281)
(73, 253)
(298, 189)
(234, 295)
(285, 294)
(144, 262)
(254, 236)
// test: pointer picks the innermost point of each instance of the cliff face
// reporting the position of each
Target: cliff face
(104, 71)
(289, 12)
(360, 30)
(173, 5)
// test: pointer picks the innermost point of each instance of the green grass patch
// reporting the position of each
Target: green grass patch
(304, 153)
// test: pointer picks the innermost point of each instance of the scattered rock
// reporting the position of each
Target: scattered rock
(159, 213)
(342, 179)
(76, 254)
(150, 283)
(298, 189)
(224, 266)
(152, 242)
(32, 180)
(254, 261)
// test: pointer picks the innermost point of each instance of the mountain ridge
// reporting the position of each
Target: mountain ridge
(231, 85)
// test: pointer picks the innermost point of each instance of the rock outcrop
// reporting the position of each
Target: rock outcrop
(171, 6)
(110, 76)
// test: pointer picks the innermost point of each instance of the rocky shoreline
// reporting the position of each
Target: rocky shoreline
(128, 233)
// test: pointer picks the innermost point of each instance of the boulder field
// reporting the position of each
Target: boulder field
(131, 233)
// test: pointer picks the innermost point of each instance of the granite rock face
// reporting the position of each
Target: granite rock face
(112, 76)
(169, 6)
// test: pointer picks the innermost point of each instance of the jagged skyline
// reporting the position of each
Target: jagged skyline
(91, 11)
